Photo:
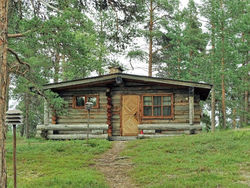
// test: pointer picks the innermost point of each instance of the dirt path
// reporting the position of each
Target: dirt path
(114, 167)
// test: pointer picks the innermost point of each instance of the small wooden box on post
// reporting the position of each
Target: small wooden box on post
(14, 118)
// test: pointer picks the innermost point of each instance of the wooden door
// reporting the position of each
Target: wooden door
(130, 115)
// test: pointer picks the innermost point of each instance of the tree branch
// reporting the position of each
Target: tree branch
(167, 46)
(17, 58)
(16, 35)
(50, 6)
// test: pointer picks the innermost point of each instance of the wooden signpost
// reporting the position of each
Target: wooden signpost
(14, 118)
(89, 105)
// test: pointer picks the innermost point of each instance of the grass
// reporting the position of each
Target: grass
(56, 164)
(206, 160)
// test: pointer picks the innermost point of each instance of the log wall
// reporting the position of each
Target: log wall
(116, 113)
(76, 116)
(100, 115)
(181, 105)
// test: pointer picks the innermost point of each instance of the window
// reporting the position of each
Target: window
(80, 101)
(157, 106)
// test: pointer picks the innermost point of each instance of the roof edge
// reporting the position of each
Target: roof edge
(128, 76)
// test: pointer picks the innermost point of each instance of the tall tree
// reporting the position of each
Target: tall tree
(3, 88)
(157, 23)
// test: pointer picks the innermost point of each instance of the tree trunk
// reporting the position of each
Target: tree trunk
(101, 45)
(246, 108)
(150, 54)
(57, 67)
(27, 115)
(245, 79)
(213, 90)
(223, 92)
(3, 88)
(213, 110)
(234, 118)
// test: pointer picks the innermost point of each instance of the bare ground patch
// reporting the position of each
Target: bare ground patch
(116, 168)
(245, 173)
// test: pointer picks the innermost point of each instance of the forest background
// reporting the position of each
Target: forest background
(59, 40)
(205, 42)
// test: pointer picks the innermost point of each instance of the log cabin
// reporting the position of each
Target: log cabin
(124, 106)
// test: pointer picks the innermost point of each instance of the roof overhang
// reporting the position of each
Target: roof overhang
(204, 88)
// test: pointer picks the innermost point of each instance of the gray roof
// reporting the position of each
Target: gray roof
(145, 79)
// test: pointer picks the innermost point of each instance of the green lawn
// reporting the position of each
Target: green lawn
(205, 160)
(43, 163)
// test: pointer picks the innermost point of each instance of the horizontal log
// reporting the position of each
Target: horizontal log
(84, 116)
(173, 126)
(72, 127)
(175, 132)
(80, 113)
(183, 112)
(76, 136)
(97, 132)
(87, 89)
(83, 111)
(185, 108)
(82, 132)
(148, 131)
(178, 116)
(72, 132)
(72, 93)
(141, 136)
(184, 103)
(81, 121)
(167, 121)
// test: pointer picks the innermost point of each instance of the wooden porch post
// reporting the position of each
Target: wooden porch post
(109, 111)
(191, 105)
(46, 113)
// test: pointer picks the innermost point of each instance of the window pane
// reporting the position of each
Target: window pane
(93, 100)
(147, 100)
(157, 100)
(166, 110)
(157, 111)
(80, 101)
(147, 111)
(166, 101)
